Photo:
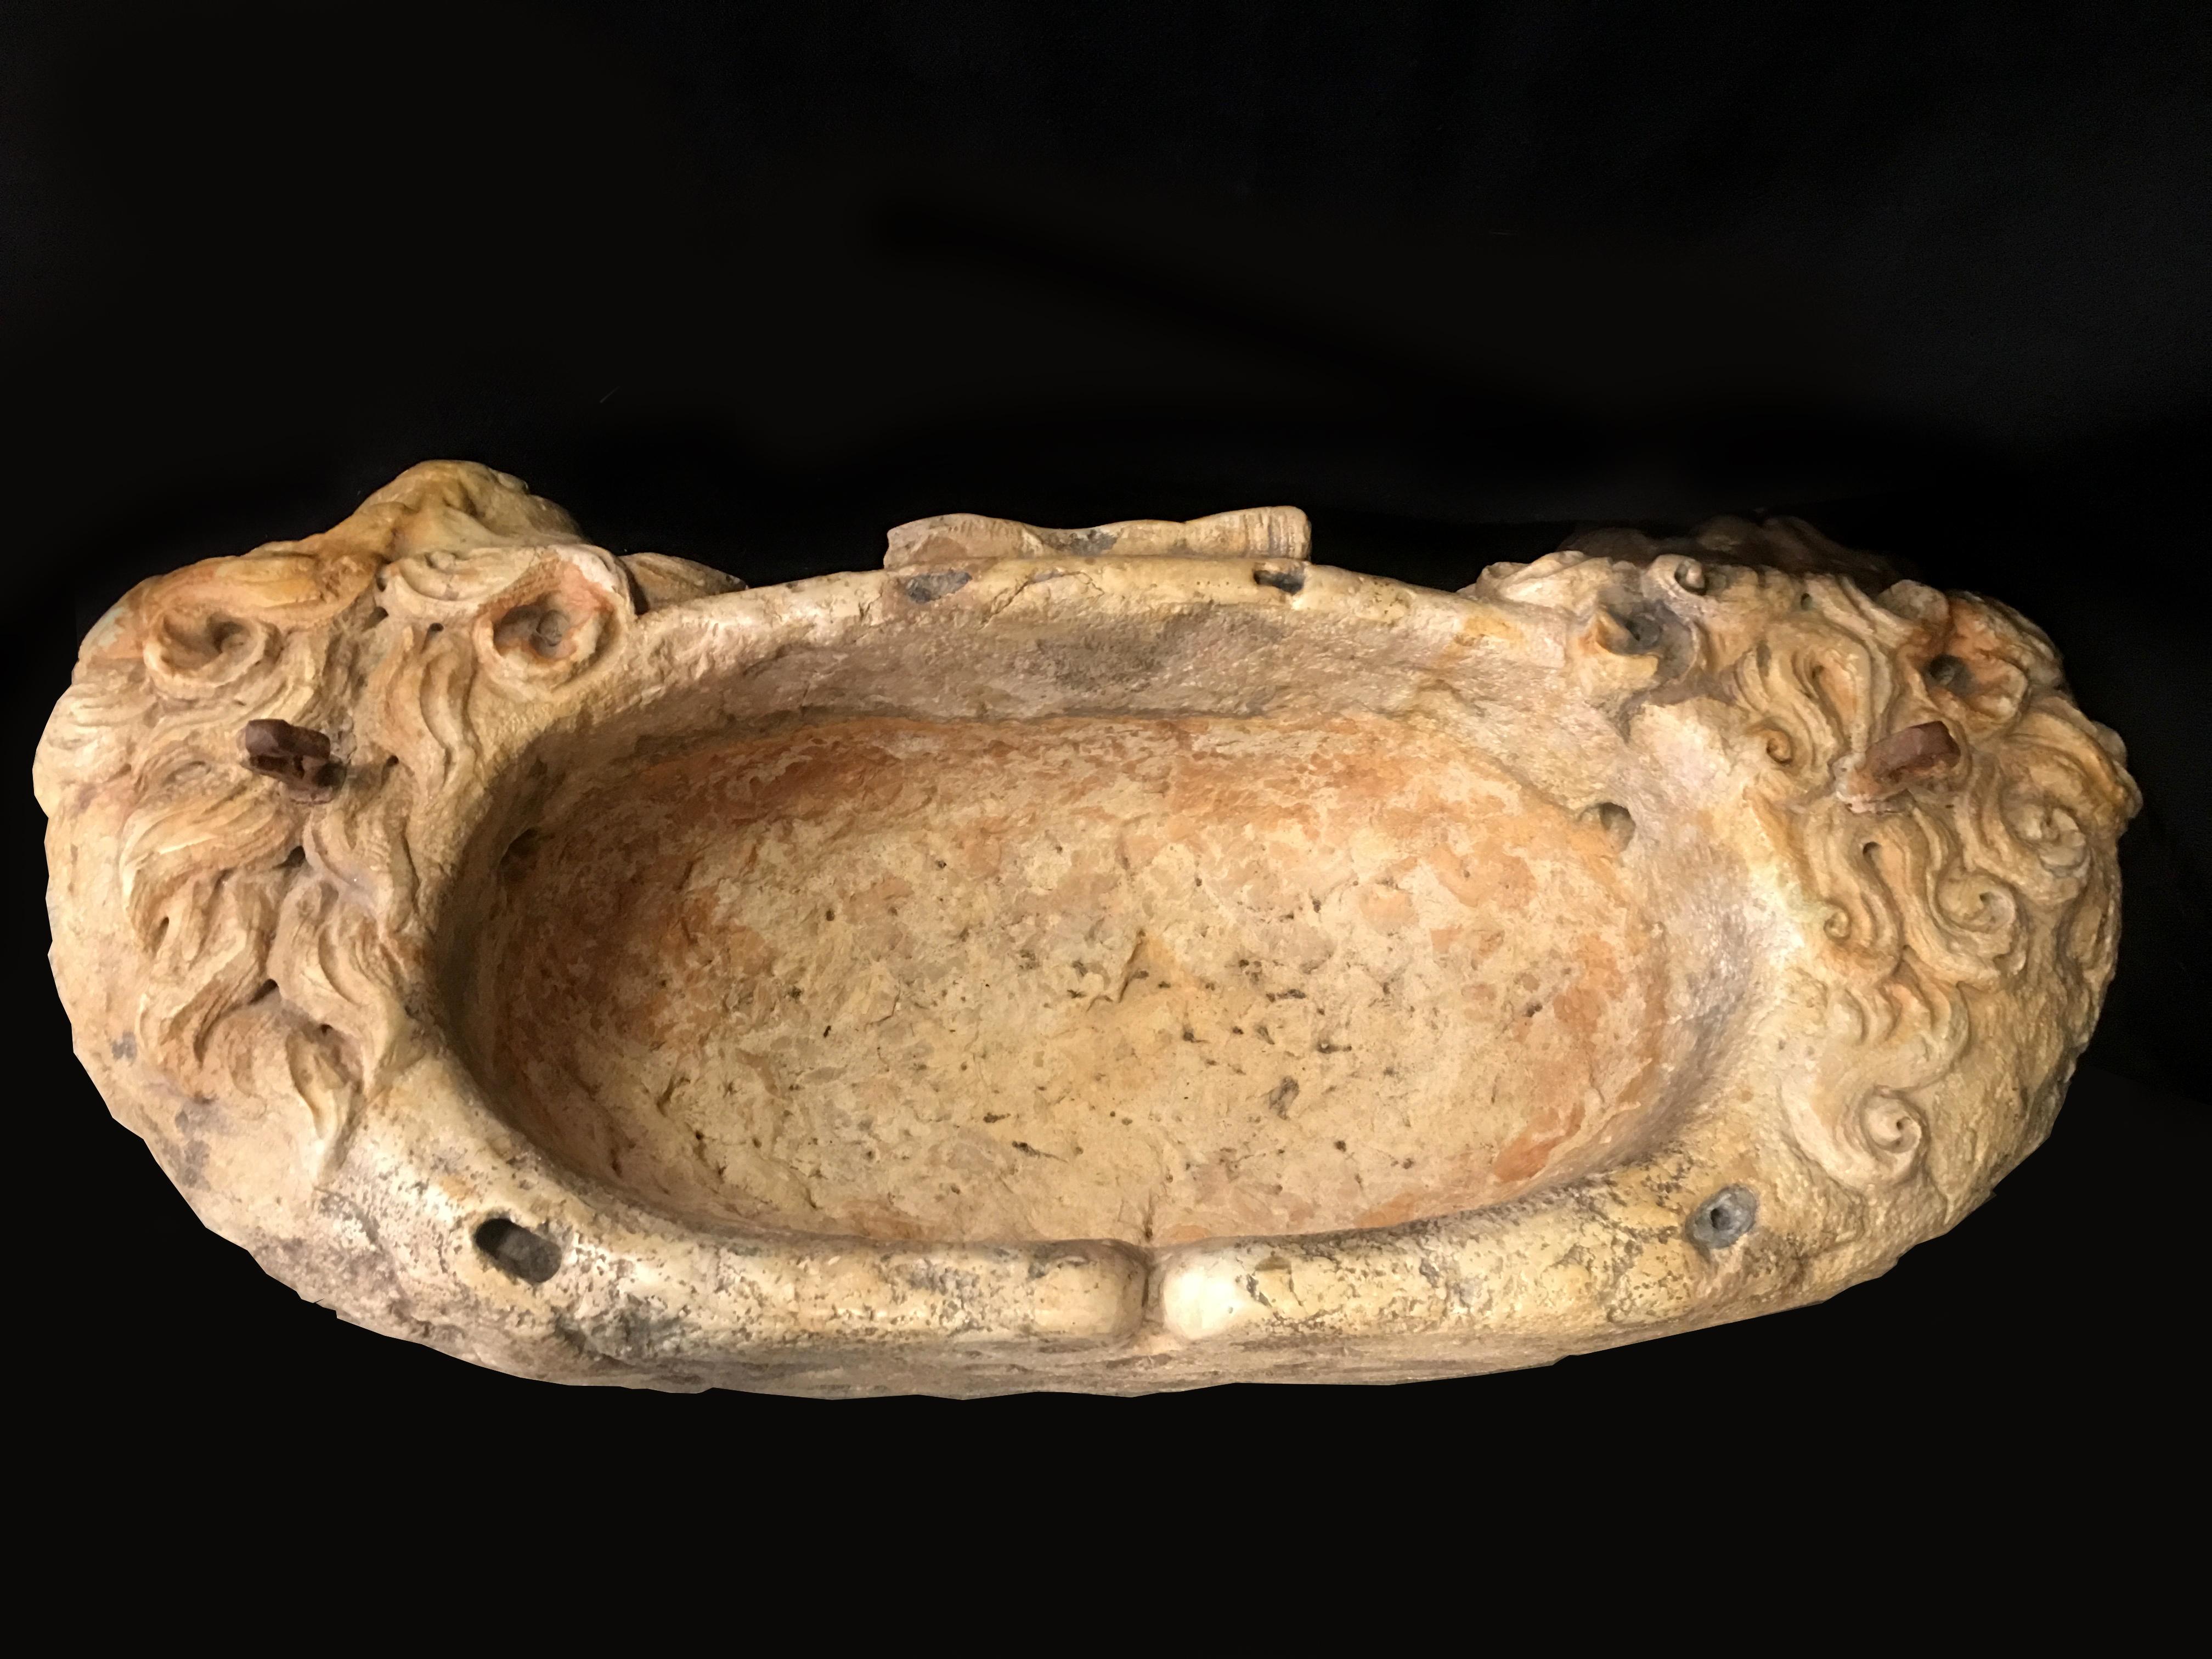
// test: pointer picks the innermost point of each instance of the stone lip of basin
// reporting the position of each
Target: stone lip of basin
(1117, 959)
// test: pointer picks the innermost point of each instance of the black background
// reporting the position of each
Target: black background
(750, 284)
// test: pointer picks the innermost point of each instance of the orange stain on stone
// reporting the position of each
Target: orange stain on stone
(1092, 978)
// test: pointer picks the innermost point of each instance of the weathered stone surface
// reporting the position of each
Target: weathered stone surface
(1119, 959)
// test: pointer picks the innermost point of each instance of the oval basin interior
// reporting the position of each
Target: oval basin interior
(1155, 979)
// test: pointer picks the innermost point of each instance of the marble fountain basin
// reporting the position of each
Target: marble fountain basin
(1114, 960)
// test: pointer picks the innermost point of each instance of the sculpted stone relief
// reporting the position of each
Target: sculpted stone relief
(319, 814)
(1939, 798)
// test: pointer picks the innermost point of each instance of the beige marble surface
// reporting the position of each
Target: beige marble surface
(1113, 959)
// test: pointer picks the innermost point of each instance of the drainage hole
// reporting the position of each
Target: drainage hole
(519, 851)
(517, 1251)
(1951, 674)
(1724, 1218)
(1616, 821)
